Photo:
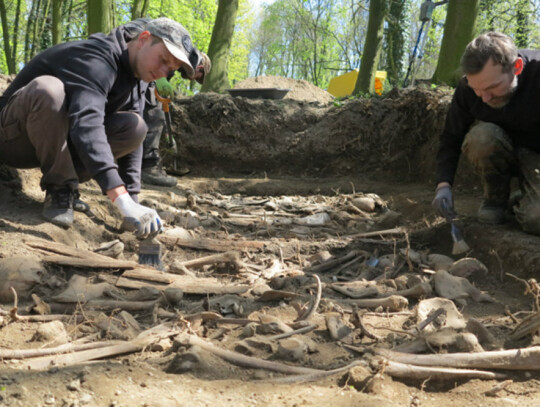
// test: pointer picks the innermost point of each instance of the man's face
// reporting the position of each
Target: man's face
(153, 61)
(494, 86)
(199, 72)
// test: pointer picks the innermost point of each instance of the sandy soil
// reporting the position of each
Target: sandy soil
(251, 161)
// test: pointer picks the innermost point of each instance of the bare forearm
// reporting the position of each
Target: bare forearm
(116, 192)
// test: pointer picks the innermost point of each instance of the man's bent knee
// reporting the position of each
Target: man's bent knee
(483, 140)
(125, 132)
(488, 148)
(141, 128)
(136, 128)
(48, 92)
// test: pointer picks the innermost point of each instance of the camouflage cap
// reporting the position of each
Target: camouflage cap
(175, 37)
(201, 64)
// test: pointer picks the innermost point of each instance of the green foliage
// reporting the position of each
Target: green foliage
(395, 39)
(197, 16)
(313, 40)
(181, 86)
(518, 18)
(238, 60)
(309, 39)
(3, 63)
(432, 46)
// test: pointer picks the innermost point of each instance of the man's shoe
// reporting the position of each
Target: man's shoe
(157, 176)
(58, 206)
(178, 171)
(491, 212)
(78, 204)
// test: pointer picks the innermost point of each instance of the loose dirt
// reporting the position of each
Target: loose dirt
(292, 175)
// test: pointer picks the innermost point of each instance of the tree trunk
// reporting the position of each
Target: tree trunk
(395, 40)
(15, 37)
(99, 18)
(372, 47)
(44, 39)
(30, 29)
(139, 8)
(35, 30)
(69, 13)
(522, 23)
(5, 33)
(220, 44)
(113, 9)
(458, 32)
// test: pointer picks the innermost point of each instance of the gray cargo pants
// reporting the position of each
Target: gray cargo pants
(155, 119)
(494, 158)
(34, 129)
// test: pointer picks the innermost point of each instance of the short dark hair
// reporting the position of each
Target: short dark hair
(155, 40)
(492, 45)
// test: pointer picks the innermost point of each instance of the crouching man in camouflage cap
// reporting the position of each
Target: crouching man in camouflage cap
(66, 113)
(152, 170)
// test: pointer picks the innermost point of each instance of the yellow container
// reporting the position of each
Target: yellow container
(343, 85)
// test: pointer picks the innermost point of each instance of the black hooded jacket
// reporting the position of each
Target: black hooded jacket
(520, 118)
(98, 81)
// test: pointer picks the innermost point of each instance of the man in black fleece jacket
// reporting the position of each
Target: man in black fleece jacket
(65, 113)
(152, 171)
(494, 119)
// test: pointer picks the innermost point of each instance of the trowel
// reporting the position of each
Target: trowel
(172, 147)
(460, 246)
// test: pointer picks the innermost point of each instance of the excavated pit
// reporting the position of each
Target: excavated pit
(264, 171)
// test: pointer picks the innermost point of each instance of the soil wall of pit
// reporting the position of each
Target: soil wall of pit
(395, 135)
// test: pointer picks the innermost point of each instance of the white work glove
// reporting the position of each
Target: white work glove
(138, 218)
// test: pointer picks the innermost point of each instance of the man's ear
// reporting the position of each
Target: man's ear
(144, 36)
(518, 66)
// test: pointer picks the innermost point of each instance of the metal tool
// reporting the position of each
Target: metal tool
(460, 246)
(172, 148)
(170, 139)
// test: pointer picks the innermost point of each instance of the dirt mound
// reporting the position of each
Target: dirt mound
(299, 89)
(395, 135)
(244, 273)
(5, 80)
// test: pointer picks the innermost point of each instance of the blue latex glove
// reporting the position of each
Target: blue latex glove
(443, 203)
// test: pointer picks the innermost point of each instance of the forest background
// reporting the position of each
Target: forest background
(313, 40)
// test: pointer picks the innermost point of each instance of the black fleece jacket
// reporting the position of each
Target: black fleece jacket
(98, 81)
(520, 118)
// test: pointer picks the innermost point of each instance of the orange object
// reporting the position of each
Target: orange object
(380, 77)
(343, 85)
(164, 101)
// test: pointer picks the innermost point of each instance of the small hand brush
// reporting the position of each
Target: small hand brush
(460, 246)
(150, 252)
